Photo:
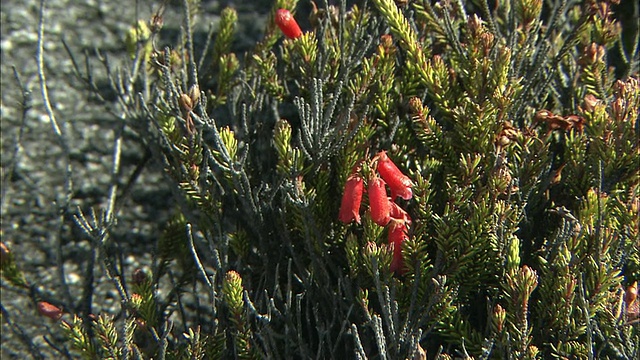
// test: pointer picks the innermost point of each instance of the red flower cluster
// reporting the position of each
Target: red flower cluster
(382, 208)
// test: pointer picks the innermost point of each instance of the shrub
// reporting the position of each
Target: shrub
(516, 235)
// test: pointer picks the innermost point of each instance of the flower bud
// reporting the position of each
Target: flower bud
(4, 254)
(619, 109)
(593, 54)
(379, 204)
(351, 199)
(502, 141)
(386, 41)
(155, 23)
(135, 301)
(487, 40)
(51, 311)
(185, 102)
(506, 135)
(498, 317)
(415, 105)
(513, 254)
(529, 279)
(474, 24)
(194, 94)
(529, 11)
(630, 87)
(232, 291)
(543, 115)
(575, 122)
(399, 183)
(370, 248)
(570, 288)
(590, 102)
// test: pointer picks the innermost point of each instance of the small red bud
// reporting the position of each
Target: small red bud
(5, 254)
(379, 204)
(288, 24)
(399, 183)
(51, 311)
(351, 199)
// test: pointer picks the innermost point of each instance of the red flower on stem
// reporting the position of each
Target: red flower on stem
(399, 213)
(397, 235)
(51, 311)
(288, 24)
(379, 204)
(351, 199)
(399, 183)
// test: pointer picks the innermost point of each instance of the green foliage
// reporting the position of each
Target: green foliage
(108, 336)
(222, 44)
(80, 340)
(9, 269)
(521, 146)
(232, 292)
(143, 301)
(138, 37)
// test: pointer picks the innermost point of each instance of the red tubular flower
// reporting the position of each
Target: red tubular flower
(288, 24)
(399, 183)
(397, 235)
(379, 204)
(399, 213)
(351, 199)
(51, 311)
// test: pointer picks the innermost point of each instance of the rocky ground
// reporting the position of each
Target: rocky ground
(37, 217)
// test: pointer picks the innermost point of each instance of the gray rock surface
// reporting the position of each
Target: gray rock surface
(37, 225)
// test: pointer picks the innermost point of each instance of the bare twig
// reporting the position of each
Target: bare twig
(192, 69)
(196, 258)
(20, 333)
(25, 105)
(68, 185)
